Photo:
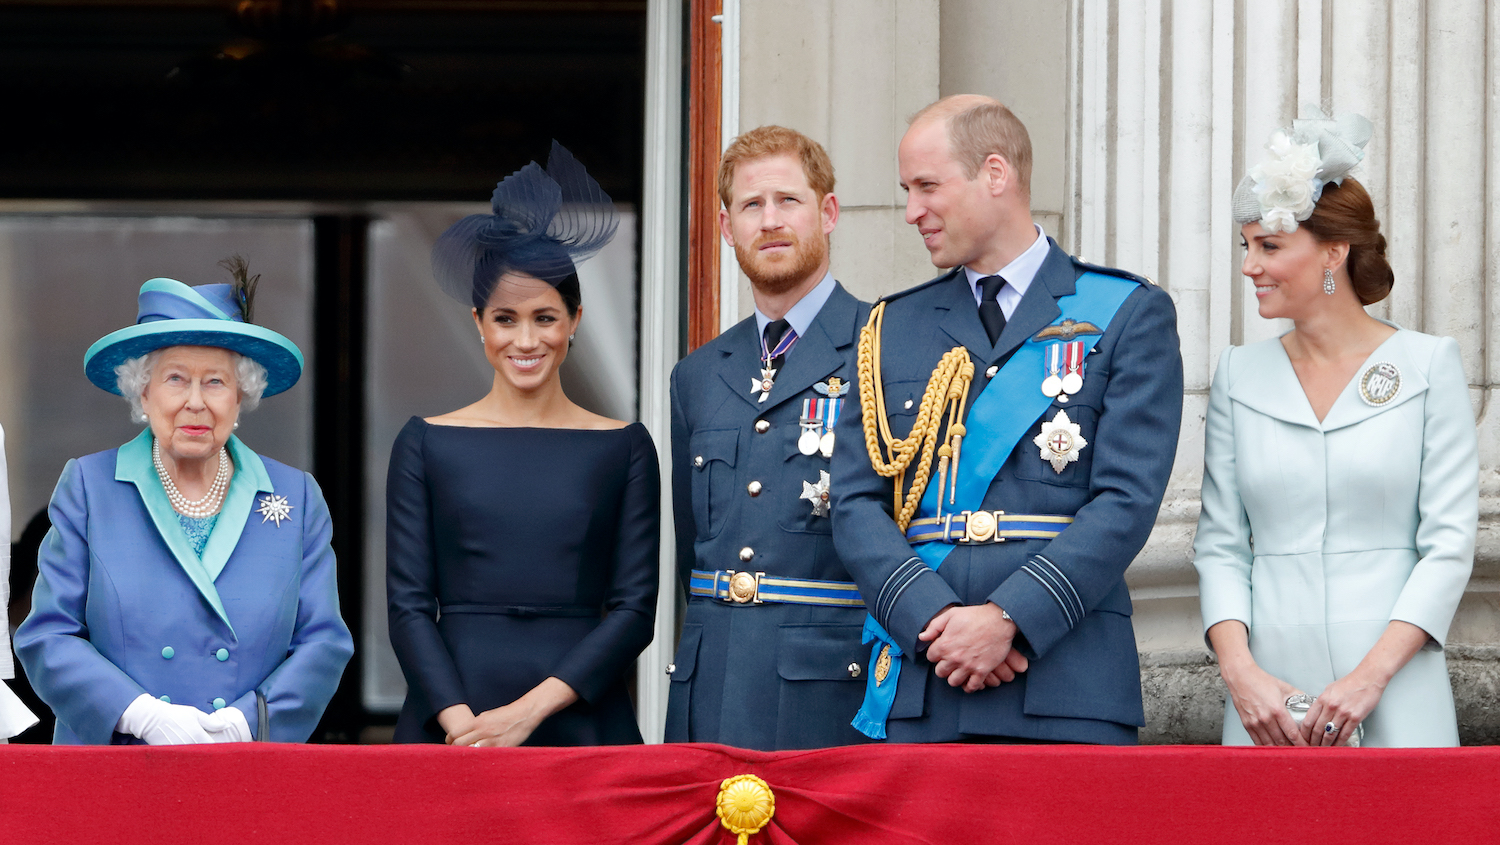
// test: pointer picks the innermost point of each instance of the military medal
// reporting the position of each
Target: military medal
(1380, 384)
(817, 493)
(807, 441)
(1072, 380)
(1061, 441)
(1052, 361)
(834, 389)
(763, 384)
(274, 508)
(767, 378)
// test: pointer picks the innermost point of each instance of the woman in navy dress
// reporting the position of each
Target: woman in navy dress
(523, 530)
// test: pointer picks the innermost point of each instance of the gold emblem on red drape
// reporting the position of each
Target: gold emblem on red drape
(745, 805)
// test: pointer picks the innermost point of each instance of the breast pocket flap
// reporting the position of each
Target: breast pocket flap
(821, 653)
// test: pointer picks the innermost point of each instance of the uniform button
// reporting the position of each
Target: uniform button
(671, 667)
(746, 554)
(219, 704)
(762, 426)
(854, 670)
(907, 406)
(754, 488)
(168, 652)
(990, 373)
(698, 461)
(166, 698)
(222, 654)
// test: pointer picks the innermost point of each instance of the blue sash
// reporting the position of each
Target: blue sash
(1004, 411)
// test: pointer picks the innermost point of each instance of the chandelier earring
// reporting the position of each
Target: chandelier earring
(1328, 281)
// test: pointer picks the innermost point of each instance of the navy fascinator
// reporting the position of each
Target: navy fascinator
(544, 223)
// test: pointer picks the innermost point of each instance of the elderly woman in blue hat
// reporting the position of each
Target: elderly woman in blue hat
(186, 591)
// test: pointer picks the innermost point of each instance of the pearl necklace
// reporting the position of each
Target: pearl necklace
(206, 506)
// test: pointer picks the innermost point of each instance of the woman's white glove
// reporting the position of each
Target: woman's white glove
(160, 723)
(235, 727)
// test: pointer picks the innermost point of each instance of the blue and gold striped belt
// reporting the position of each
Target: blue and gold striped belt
(743, 587)
(975, 527)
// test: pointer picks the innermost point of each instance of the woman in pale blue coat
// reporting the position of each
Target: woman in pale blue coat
(1340, 488)
(186, 591)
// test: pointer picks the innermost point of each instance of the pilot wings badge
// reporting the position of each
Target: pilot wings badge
(1067, 330)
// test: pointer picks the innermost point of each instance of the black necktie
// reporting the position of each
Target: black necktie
(775, 330)
(989, 309)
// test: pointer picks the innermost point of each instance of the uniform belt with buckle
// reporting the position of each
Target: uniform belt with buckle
(974, 527)
(743, 587)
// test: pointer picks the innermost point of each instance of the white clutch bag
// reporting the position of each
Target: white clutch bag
(1298, 704)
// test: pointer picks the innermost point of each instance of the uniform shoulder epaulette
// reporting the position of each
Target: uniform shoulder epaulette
(943, 277)
(1113, 271)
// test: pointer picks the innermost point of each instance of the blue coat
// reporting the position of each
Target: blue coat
(123, 606)
(764, 676)
(1084, 680)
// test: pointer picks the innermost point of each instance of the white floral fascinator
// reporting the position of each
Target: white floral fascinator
(1317, 149)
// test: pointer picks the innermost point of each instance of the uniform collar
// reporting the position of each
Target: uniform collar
(1018, 273)
(801, 315)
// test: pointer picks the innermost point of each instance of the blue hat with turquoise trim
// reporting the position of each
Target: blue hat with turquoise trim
(170, 313)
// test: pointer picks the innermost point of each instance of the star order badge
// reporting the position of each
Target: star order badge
(817, 493)
(1061, 441)
(274, 508)
(763, 384)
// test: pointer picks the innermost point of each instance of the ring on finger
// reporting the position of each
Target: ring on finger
(1331, 729)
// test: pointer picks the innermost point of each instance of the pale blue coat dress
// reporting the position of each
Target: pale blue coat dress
(1318, 535)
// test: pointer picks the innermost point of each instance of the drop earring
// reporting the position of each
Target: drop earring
(1328, 281)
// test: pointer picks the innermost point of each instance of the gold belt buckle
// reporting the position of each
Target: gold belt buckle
(744, 587)
(979, 526)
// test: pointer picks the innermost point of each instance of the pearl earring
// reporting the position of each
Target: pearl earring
(1328, 281)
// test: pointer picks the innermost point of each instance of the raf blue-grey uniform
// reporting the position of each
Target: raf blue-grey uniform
(763, 673)
(1067, 595)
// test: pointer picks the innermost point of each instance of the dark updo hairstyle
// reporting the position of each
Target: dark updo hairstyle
(567, 287)
(1346, 214)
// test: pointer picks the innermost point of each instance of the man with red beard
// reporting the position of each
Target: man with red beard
(770, 655)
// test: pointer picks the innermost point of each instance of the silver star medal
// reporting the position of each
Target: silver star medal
(763, 384)
(817, 493)
(274, 508)
(1061, 441)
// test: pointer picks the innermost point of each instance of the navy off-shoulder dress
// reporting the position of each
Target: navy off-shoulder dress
(515, 554)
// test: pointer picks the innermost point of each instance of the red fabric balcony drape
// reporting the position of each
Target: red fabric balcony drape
(667, 793)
